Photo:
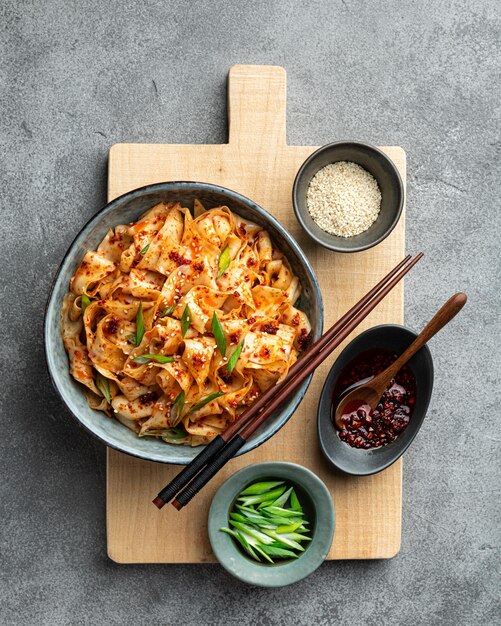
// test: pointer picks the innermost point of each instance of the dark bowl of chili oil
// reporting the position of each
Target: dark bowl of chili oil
(372, 441)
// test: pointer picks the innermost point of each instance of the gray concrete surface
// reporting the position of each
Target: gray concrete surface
(79, 76)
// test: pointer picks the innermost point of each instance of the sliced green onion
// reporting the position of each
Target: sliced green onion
(218, 331)
(177, 409)
(175, 433)
(253, 532)
(260, 487)
(274, 551)
(247, 546)
(289, 529)
(139, 325)
(131, 339)
(144, 250)
(281, 521)
(166, 433)
(260, 551)
(85, 301)
(295, 502)
(232, 361)
(159, 358)
(103, 384)
(206, 400)
(283, 539)
(224, 261)
(281, 500)
(262, 497)
(168, 310)
(275, 510)
(185, 320)
(264, 523)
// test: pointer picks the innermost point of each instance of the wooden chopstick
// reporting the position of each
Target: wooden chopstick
(232, 447)
(212, 449)
(219, 452)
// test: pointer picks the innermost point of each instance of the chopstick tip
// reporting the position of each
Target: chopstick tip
(177, 505)
(158, 502)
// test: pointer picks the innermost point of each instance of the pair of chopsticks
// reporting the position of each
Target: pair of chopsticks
(225, 446)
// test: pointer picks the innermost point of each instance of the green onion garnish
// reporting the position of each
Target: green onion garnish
(85, 301)
(257, 488)
(206, 400)
(268, 522)
(232, 361)
(218, 331)
(147, 358)
(166, 433)
(103, 384)
(139, 325)
(144, 250)
(177, 408)
(185, 320)
(175, 433)
(224, 261)
(168, 310)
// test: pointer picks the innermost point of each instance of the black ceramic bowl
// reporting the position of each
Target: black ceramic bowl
(376, 163)
(355, 461)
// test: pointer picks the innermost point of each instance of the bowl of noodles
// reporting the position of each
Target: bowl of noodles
(175, 308)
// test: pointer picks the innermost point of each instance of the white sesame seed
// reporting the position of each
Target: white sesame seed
(343, 199)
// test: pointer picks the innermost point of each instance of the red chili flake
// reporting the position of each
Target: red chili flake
(251, 320)
(270, 328)
(198, 359)
(304, 338)
(199, 267)
(236, 294)
(372, 429)
(111, 326)
(264, 352)
(234, 338)
(148, 398)
(251, 262)
(226, 376)
(295, 320)
(178, 259)
(241, 230)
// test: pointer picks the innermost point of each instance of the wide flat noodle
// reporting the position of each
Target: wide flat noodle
(137, 323)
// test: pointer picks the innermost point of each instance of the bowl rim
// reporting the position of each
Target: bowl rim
(243, 568)
(130, 195)
(328, 380)
(298, 211)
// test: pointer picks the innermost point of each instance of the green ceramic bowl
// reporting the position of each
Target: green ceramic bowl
(319, 510)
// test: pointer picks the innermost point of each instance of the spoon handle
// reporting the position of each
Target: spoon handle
(442, 317)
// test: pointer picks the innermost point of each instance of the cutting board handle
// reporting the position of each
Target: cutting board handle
(257, 106)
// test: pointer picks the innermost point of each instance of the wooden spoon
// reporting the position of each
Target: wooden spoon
(370, 392)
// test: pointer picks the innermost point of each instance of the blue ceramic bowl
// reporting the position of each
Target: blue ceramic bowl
(128, 208)
(317, 505)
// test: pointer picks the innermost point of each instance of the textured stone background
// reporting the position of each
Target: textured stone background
(78, 76)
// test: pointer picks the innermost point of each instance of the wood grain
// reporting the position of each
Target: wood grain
(258, 163)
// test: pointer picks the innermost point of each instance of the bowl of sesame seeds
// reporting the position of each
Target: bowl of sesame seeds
(348, 196)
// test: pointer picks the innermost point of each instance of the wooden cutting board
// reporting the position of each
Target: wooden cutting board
(258, 163)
